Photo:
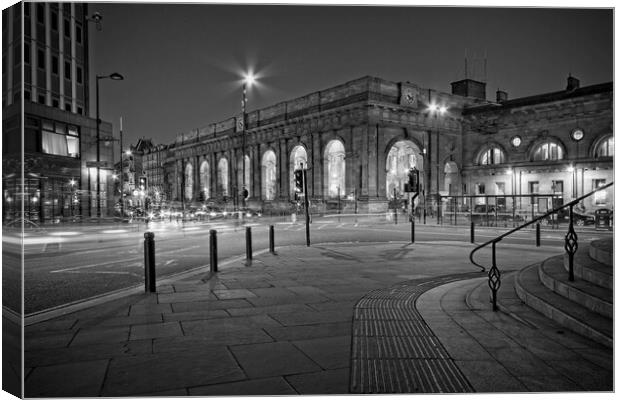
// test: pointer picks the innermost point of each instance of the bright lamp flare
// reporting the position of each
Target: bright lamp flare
(250, 79)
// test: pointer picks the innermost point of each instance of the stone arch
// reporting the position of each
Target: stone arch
(247, 182)
(269, 175)
(451, 179)
(205, 179)
(401, 156)
(491, 153)
(222, 176)
(334, 168)
(603, 146)
(188, 190)
(298, 154)
(552, 144)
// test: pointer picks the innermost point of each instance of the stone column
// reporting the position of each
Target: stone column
(283, 169)
(256, 172)
(373, 167)
(316, 158)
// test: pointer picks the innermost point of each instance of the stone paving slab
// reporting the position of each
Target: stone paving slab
(272, 359)
(150, 373)
(258, 387)
(77, 379)
(285, 331)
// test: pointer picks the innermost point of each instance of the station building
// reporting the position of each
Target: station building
(358, 141)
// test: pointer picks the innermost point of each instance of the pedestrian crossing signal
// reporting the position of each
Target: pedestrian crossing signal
(143, 183)
(299, 181)
(413, 182)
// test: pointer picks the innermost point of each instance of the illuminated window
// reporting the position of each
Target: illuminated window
(492, 155)
(222, 174)
(60, 140)
(500, 188)
(205, 179)
(269, 175)
(298, 156)
(548, 151)
(335, 168)
(189, 181)
(605, 148)
(400, 159)
(600, 197)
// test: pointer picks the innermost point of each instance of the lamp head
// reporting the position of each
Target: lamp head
(249, 79)
(116, 76)
(96, 17)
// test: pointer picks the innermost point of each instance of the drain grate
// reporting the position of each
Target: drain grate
(394, 351)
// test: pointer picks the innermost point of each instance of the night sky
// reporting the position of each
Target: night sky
(183, 62)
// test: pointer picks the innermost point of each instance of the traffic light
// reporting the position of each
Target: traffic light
(143, 183)
(299, 181)
(414, 180)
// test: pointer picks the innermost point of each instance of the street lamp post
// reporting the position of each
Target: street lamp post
(117, 77)
(247, 81)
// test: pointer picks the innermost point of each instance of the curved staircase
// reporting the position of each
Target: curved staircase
(585, 305)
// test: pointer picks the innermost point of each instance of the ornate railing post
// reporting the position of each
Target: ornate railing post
(570, 244)
(494, 280)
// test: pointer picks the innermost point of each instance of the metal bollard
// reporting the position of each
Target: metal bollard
(149, 262)
(538, 235)
(272, 245)
(248, 244)
(412, 229)
(471, 234)
(213, 249)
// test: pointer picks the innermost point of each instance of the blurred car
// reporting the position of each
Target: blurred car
(488, 215)
(579, 218)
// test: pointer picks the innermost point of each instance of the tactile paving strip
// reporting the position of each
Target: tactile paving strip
(394, 351)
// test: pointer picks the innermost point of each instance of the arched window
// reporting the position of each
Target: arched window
(189, 181)
(222, 174)
(491, 155)
(298, 156)
(605, 148)
(244, 183)
(403, 156)
(205, 179)
(548, 151)
(335, 168)
(269, 175)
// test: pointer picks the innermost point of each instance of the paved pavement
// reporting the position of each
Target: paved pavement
(290, 324)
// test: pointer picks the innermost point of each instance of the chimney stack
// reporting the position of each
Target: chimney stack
(501, 96)
(572, 83)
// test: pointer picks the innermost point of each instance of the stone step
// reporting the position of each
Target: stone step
(602, 250)
(589, 269)
(596, 298)
(567, 313)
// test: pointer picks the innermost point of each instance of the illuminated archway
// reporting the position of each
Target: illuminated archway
(189, 182)
(298, 156)
(269, 175)
(335, 168)
(205, 179)
(403, 156)
(240, 180)
(222, 173)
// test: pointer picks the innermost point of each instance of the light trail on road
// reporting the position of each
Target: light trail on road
(110, 258)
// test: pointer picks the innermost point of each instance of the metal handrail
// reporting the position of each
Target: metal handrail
(570, 243)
